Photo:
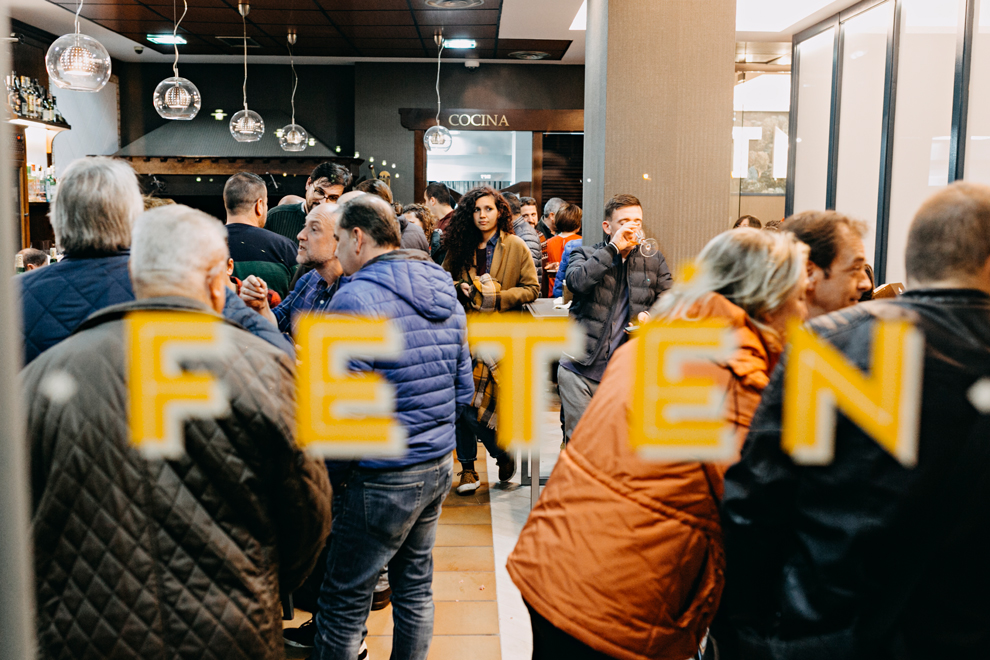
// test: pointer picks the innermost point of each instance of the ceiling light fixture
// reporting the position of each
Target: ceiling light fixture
(529, 55)
(177, 98)
(166, 39)
(454, 4)
(460, 43)
(77, 61)
(293, 137)
(246, 125)
(580, 21)
(437, 138)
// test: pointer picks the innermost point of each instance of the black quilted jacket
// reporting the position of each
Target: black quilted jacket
(591, 277)
(154, 559)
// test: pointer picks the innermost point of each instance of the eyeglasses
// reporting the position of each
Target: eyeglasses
(330, 197)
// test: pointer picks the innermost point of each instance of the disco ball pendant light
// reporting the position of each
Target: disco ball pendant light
(78, 62)
(246, 125)
(437, 138)
(175, 97)
(293, 137)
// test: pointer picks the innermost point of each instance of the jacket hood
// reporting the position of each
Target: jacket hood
(412, 276)
(757, 352)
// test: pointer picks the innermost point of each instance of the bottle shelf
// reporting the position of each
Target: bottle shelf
(37, 123)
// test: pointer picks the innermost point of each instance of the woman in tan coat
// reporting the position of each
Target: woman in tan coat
(494, 272)
(622, 557)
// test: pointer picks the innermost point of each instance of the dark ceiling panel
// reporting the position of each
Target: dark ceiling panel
(372, 17)
(123, 11)
(461, 31)
(380, 31)
(363, 5)
(296, 18)
(460, 17)
(488, 4)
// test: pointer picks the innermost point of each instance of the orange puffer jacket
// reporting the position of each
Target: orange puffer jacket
(626, 555)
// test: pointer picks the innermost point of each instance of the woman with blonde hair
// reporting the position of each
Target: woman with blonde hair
(623, 557)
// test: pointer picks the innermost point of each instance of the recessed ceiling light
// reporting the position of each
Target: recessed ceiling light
(165, 39)
(580, 21)
(529, 55)
(459, 43)
(454, 4)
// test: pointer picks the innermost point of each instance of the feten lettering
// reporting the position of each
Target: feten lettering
(341, 414)
(162, 395)
(524, 347)
(818, 381)
(678, 410)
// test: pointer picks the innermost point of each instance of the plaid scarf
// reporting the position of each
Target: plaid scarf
(486, 293)
(485, 391)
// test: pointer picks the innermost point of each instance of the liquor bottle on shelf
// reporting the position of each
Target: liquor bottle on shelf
(52, 256)
(19, 263)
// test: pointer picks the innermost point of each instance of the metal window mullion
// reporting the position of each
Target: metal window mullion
(792, 130)
(833, 129)
(887, 145)
(960, 94)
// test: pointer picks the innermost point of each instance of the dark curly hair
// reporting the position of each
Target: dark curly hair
(463, 236)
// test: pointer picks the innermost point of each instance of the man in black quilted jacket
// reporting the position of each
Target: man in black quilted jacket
(185, 557)
(613, 285)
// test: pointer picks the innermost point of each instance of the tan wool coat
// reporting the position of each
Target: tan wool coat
(514, 270)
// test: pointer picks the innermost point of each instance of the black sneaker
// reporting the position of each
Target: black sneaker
(303, 637)
(506, 467)
(381, 599)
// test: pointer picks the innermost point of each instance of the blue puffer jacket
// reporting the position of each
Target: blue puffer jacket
(56, 299)
(433, 376)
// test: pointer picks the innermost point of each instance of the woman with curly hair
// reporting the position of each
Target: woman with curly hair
(494, 272)
(422, 217)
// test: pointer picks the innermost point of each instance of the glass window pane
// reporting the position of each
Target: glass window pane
(923, 117)
(978, 122)
(864, 64)
(813, 116)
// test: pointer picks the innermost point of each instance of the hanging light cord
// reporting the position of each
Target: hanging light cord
(175, 31)
(439, 53)
(79, 9)
(244, 88)
(295, 84)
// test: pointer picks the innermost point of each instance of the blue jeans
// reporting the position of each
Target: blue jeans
(382, 517)
(469, 430)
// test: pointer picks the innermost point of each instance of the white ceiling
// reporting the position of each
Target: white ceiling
(521, 19)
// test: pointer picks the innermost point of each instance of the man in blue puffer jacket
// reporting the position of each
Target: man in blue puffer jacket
(97, 203)
(386, 511)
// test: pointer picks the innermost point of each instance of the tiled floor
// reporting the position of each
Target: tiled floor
(479, 612)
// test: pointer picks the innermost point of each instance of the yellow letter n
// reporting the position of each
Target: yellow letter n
(818, 381)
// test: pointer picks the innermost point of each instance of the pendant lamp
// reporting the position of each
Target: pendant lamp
(246, 125)
(78, 62)
(293, 137)
(175, 97)
(437, 138)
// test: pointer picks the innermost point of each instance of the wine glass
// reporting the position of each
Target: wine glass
(647, 246)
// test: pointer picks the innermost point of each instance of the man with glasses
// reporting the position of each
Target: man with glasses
(326, 184)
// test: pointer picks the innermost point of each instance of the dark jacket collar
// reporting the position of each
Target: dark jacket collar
(96, 254)
(163, 304)
(947, 296)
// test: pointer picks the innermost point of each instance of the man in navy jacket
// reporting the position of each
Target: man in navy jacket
(386, 511)
(97, 203)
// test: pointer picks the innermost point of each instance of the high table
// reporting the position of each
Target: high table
(541, 308)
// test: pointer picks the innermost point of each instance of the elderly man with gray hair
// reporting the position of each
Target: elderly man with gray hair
(92, 215)
(178, 557)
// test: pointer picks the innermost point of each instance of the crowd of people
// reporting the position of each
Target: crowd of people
(200, 555)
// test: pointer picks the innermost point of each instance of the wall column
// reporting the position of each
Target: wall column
(658, 117)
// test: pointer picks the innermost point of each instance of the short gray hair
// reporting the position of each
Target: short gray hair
(950, 235)
(756, 270)
(176, 247)
(95, 206)
(552, 206)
